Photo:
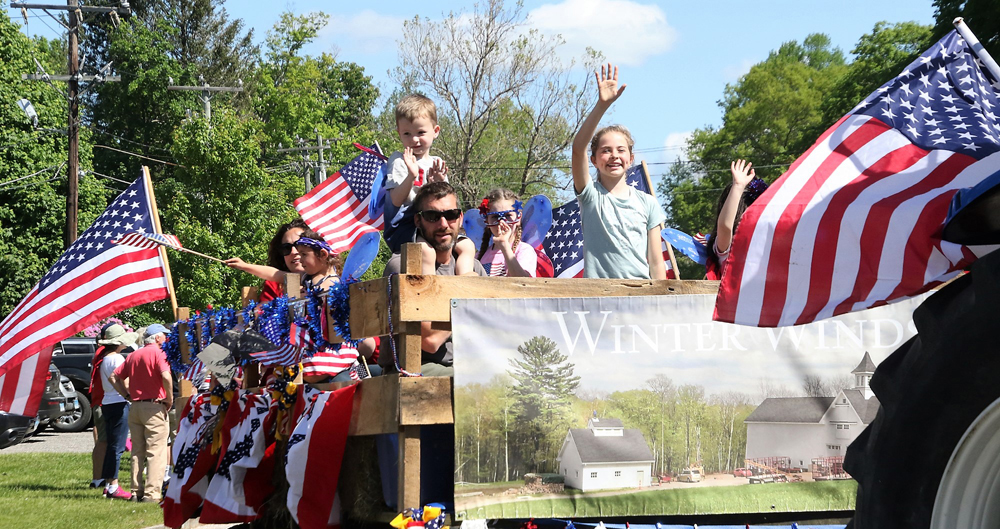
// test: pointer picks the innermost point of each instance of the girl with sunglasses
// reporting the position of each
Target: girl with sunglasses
(506, 256)
(321, 267)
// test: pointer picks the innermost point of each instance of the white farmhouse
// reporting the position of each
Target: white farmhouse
(605, 455)
(803, 428)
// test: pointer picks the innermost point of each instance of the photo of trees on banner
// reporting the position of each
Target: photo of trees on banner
(599, 407)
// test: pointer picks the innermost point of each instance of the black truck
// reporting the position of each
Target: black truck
(74, 357)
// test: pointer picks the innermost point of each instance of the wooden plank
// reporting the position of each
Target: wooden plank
(411, 259)
(409, 465)
(428, 298)
(369, 308)
(410, 353)
(376, 404)
(183, 313)
(425, 400)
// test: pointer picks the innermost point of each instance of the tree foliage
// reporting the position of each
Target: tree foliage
(33, 208)
(507, 105)
(982, 17)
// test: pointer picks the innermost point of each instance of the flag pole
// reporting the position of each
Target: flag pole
(670, 249)
(163, 251)
(977, 48)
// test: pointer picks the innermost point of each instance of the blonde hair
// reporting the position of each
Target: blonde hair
(499, 194)
(621, 129)
(413, 106)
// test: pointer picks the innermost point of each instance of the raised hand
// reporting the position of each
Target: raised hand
(503, 236)
(410, 160)
(438, 172)
(743, 172)
(607, 84)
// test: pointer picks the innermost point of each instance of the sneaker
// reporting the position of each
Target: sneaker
(120, 494)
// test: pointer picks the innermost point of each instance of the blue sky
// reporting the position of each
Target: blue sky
(676, 57)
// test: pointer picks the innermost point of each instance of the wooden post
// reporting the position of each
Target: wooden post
(293, 290)
(182, 314)
(410, 360)
(670, 249)
(161, 249)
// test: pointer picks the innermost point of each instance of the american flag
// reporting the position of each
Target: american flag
(314, 456)
(338, 208)
(856, 221)
(194, 372)
(148, 240)
(564, 242)
(91, 281)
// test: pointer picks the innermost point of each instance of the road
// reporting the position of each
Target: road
(52, 441)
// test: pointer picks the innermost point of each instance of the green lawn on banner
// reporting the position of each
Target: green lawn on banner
(784, 497)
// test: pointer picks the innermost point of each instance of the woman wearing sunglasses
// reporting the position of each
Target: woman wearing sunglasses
(505, 256)
(282, 255)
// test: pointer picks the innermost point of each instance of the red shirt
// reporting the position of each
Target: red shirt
(96, 388)
(144, 369)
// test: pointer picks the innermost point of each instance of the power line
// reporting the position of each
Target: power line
(8, 182)
(33, 184)
(137, 155)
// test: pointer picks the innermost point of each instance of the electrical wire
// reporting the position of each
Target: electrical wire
(138, 155)
(8, 182)
(33, 184)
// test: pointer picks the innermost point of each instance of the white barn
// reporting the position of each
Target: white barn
(605, 455)
(803, 428)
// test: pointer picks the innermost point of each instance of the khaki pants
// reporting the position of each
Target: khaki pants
(147, 421)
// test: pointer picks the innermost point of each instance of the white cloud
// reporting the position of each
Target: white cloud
(366, 32)
(733, 72)
(675, 145)
(626, 32)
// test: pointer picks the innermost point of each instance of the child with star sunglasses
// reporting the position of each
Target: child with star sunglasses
(505, 255)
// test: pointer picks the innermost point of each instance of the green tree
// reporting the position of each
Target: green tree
(33, 208)
(982, 16)
(879, 57)
(504, 97)
(544, 386)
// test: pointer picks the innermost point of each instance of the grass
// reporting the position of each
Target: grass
(43, 491)
(784, 497)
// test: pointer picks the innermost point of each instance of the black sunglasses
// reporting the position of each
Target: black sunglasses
(433, 215)
(286, 248)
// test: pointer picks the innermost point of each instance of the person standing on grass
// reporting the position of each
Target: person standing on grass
(115, 407)
(144, 379)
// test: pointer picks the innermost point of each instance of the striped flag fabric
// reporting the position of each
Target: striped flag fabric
(564, 243)
(148, 240)
(314, 456)
(856, 221)
(194, 372)
(338, 208)
(193, 463)
(92, 280)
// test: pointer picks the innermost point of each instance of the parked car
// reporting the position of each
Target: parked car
(74, 357)
(13, 428)
(59, 402)
(742, 473)
(689, 475)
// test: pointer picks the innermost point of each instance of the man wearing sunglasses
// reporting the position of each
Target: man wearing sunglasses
(438, 219)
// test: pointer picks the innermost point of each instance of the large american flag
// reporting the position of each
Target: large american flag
(856, 221)
(91, 281)
(564, 242)
(338, 208)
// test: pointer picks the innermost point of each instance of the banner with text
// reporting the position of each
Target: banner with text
(589, 407)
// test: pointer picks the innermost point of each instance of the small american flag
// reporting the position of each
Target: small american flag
(564, 242)
(92, 280)
(286, 354)
(148, 240)
(194, 372)
(856, 221)
(338, 208)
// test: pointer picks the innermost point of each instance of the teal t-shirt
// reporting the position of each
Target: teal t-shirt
(615, 232)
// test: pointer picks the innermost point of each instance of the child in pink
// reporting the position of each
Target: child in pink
(506, 255)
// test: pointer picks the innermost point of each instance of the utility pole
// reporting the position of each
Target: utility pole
(321, 167)
(75, 12)
(207, 92)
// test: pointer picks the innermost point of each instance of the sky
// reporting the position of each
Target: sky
(675, 57)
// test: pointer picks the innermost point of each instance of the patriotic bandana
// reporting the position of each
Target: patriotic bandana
(313, 243)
